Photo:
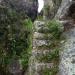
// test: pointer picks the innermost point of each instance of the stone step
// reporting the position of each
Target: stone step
(42, 36)
(42, 66)
(40, 55)
(37, 67)
(38, 42)
(44, 47)
(37, 35)
(41, 48)
(40, 52)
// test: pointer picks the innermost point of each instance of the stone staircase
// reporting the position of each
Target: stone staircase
(35, 65)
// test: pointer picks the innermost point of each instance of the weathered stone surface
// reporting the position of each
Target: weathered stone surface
(42, 66)
(38, 25)
(37, 42)
(67, 56)
(38, 35)
(34, 65)
(40, 52)
(37, 67)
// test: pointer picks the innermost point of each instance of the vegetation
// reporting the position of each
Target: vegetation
(52, 56)
(15, 38)
(53, 28)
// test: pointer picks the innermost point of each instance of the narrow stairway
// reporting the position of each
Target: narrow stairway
(39, 50)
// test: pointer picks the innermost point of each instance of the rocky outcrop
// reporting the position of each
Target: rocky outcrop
(66, 14)
(26, 7)
(67, 56)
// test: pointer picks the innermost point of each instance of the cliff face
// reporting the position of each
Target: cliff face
(66, 14)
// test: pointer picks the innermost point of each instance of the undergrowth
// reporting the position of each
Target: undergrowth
(15, 39)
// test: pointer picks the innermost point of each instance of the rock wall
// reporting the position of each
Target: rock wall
(67, 56)
(29, 7)
(66, 14)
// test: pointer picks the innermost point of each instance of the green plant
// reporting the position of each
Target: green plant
(55, 28)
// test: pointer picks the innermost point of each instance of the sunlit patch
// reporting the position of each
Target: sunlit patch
(40, 5)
